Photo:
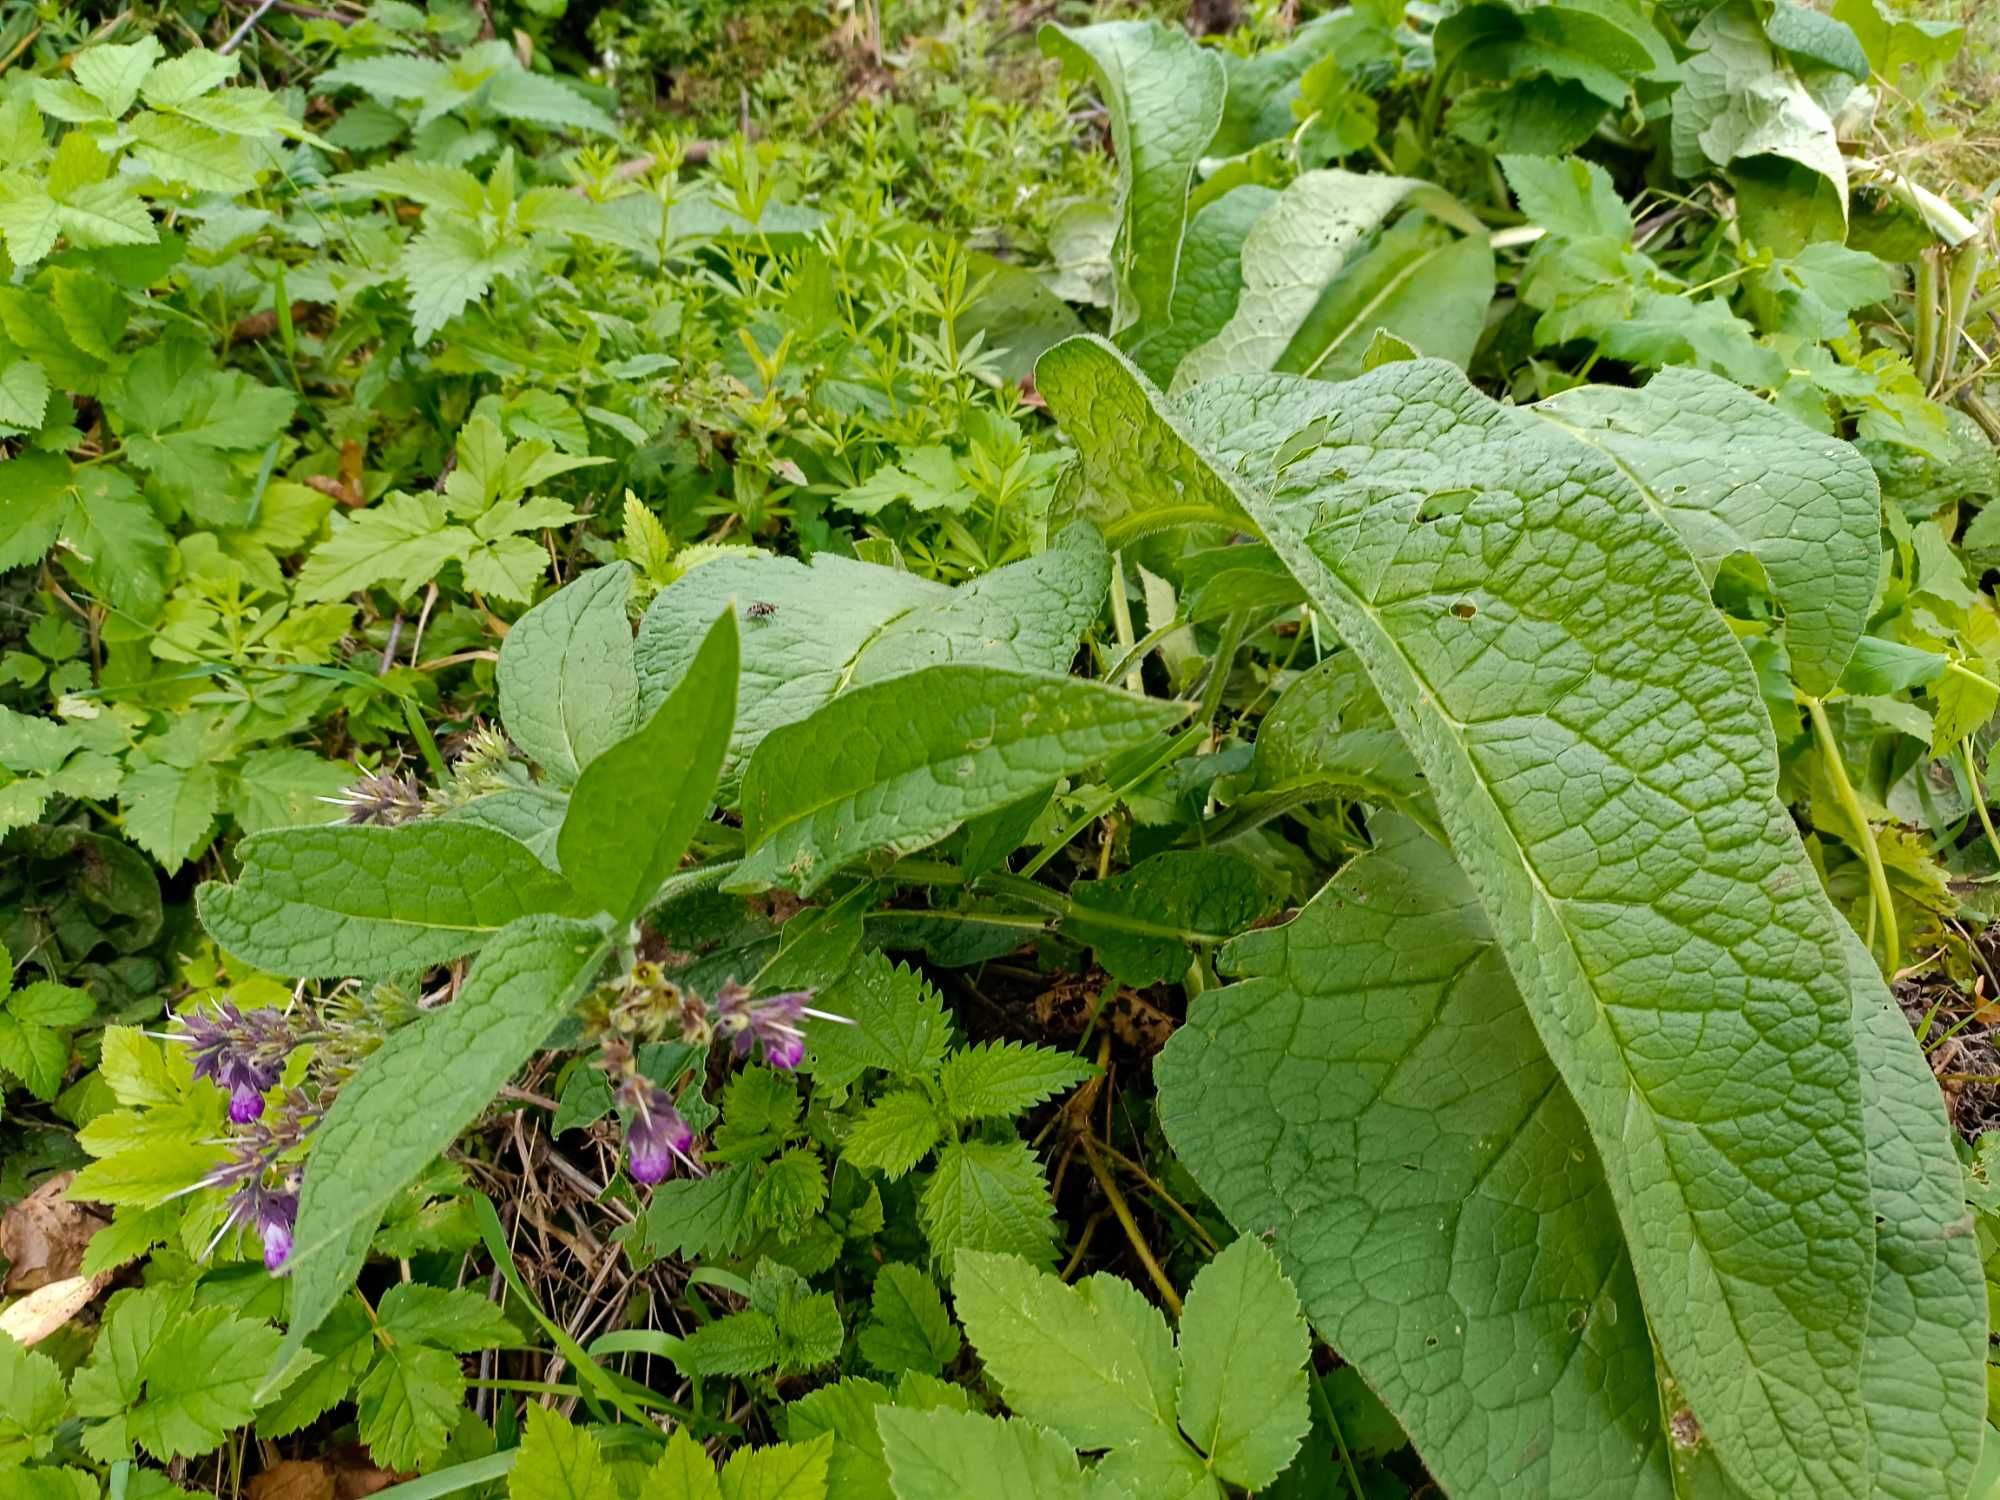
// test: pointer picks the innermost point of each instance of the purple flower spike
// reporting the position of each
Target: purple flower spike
(770, 1024)
(241, 1051)
(656, 1136)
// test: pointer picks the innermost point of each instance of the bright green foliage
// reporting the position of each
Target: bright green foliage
(952, 1455)
(636, 806)
(909, 1328)
(335, 901)
(901, 763)
(1439, 1151)
(35, 1025)
(1095, 1363)
(401, 1110)
(173, 1379)
(810, 633)
(568, 690)
(1165, 95)
(1734, 475)
(1398, 569)
(31, 1403)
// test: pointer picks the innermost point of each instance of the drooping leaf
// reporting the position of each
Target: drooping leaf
(1210, 284)
(1165, 95)
(337, 901)
(1616, 807)
(1144, 922)
(1373, 1095)
(1734, 474)
(418, 1090)
(568, 688)
(901, 763)
(1290, 256)
(638, 803)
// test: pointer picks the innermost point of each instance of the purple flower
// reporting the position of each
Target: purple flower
(243, 1052)
(276, 1216)
(771, 1023)
(382, 799)
(656, 1136)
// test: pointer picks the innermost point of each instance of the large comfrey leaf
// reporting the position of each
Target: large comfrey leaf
(638, 804)
(1165, 92)
(1210, 282)
(418, 1091)
(1373, 1096)
(568, 688)
(810, 632)
(899, 764)
(1734, 474)
(324, 903)
(1604, 767)
(1290, 256)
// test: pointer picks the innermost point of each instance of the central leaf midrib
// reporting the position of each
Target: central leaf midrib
(1338, 586)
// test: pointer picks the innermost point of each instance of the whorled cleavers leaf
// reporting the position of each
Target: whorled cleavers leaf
(415, 1093)
(568, 686)
(330, 902)
(1604, 766)
(899, 764)
(1732, 473)
(638, 803)
(1372, 1095)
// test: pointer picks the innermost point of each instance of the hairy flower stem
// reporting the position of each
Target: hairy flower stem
(1871, 856)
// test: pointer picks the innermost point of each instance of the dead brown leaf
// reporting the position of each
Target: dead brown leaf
(43, 1236)
(294, 1479)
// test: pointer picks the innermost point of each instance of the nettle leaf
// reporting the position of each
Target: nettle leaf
(1142, 922)
(1165, 95)
(342, 900)
(568, 689)
(898, 1024)
(812, 632)
(638, 804)
(700, 1216)
(955, 1455)
(894, 1133)
(996, 1080)
(1535, 631)
(419, 1090)
(899, 764)
(988, 1195)
(407, 1403)
(908, 1328)
(1734, 474)
(1373, 1095)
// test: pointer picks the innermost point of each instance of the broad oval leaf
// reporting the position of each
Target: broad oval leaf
(1372, 1095)
(568, 687)
(326, 903)
(636, 805)
(1732, 474)
(418, 1091)
(1604, 766)
(900, 764)
(811, 632)
(1164, 91)
(1210, 283)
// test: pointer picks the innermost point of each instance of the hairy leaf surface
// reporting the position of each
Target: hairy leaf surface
(1604, 766)
(568, 689)
(1373, 1094)
(812, 632)
(323, 903)
(899, 764)
(1734, 474)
